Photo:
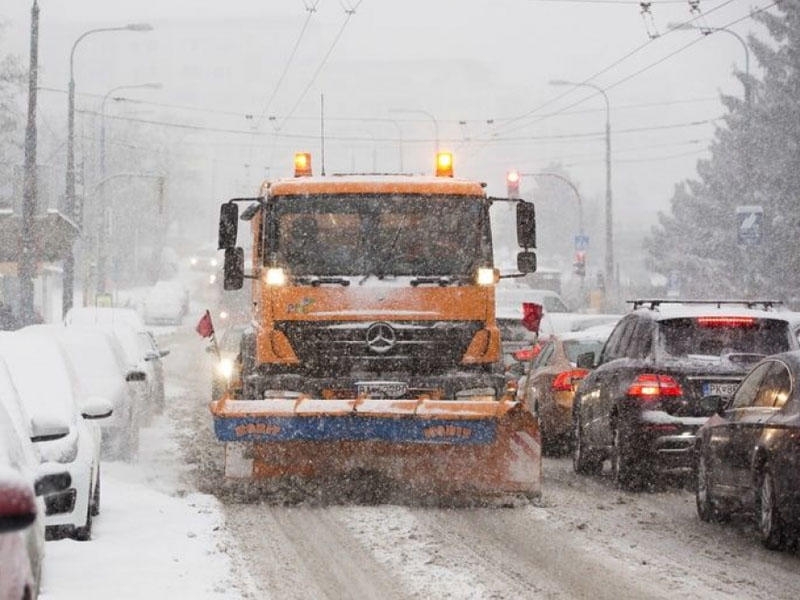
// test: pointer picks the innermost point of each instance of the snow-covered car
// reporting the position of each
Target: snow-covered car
(166, 303)
(642, 405)
(60, 416)
(141, 349)
(23, 480)
(552, 379)
(102, 316)
(748, 452)
(99, 363)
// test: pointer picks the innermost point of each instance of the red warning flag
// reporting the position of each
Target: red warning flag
(205, 327)
(531, 316)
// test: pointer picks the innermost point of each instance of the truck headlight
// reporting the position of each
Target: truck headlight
(275, 276)
(225, 368)
(485, 276)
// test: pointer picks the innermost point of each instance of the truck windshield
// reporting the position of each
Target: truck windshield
(383, 235)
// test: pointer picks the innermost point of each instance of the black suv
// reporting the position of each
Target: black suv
(640, 407)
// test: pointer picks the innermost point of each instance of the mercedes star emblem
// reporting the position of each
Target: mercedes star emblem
(381, 337)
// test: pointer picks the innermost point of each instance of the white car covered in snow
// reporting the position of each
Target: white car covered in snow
(100, 364)
(59, 413)
(23, 480)
(138, 344)
(166, 303)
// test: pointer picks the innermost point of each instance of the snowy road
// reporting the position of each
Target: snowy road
(584, 540)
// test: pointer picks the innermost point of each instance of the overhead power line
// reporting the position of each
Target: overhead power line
(509, 121)
(311, 8)
(349, 12)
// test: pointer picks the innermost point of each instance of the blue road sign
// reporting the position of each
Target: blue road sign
(581, 241)
(749, 220)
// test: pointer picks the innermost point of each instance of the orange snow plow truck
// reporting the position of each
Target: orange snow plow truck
(373, 346)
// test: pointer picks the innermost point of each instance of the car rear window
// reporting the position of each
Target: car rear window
(574, 348)
(715, 336)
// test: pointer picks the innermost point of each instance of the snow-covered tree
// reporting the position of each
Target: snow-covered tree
(755, 160)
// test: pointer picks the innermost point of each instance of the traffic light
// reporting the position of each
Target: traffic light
(580, 264)
(512, 183)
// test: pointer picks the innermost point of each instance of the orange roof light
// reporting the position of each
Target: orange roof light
(444, 164)
(302, 164)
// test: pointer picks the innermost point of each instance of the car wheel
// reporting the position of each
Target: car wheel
(582, 461)
(770, 527)
(95, 503)
(84, 534)
(623, 469)
(707, 508)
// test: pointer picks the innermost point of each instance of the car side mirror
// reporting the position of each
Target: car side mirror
(526, 262)
(526, 224)
(96, 407)
(45, 430)
(136, 376)
(585, 361)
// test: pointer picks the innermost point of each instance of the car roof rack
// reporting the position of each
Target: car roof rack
(654, 303)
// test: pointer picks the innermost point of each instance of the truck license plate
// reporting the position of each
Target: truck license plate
(713, 388)
(381, 389)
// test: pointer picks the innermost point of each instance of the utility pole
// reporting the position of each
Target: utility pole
(27, 257)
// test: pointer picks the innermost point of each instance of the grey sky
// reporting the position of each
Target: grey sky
(468, 61)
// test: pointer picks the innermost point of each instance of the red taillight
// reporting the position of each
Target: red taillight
(566, 380)
(526, 354)
(649, 386)
(726, 321)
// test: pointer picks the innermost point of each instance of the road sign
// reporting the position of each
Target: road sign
(749, 221)
(581, 242)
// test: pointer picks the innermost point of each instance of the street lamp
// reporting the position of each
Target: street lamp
(609, 276)
(71, 208)
(708, 31)
(421, 112)
(102, 231)
(571, 185)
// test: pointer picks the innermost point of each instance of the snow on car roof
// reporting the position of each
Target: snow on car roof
(108, 316)
(41, 374)
(679, 311)
(594, 333)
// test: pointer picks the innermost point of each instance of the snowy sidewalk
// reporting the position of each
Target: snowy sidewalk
(152, 538)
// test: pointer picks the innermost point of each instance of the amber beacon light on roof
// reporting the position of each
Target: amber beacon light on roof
(302, 164)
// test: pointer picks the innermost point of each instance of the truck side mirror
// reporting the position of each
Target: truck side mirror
(526, 224)
(228, 225)
(234, 269)
(526, 262)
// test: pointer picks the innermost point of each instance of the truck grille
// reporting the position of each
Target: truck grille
(380, 345)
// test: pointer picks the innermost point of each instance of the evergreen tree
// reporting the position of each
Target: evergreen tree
(755, 160)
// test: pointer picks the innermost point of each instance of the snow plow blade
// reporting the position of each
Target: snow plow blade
(483, 447)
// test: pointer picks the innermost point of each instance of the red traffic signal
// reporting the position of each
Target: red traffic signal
(580, 263)
(512, 183)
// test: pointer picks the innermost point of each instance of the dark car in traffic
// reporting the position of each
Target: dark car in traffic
(749, 453)
(642, 405)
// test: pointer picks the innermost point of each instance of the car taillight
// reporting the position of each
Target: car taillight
(649, 386)
(566, 380)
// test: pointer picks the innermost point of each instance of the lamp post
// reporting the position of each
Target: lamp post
(708, 31)
(571, 185)
(102, 231)
(421, 112)
(71, 208)
(27, 260)
(609, 270)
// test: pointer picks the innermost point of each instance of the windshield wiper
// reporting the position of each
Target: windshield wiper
(440, 281)
(318, 281)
